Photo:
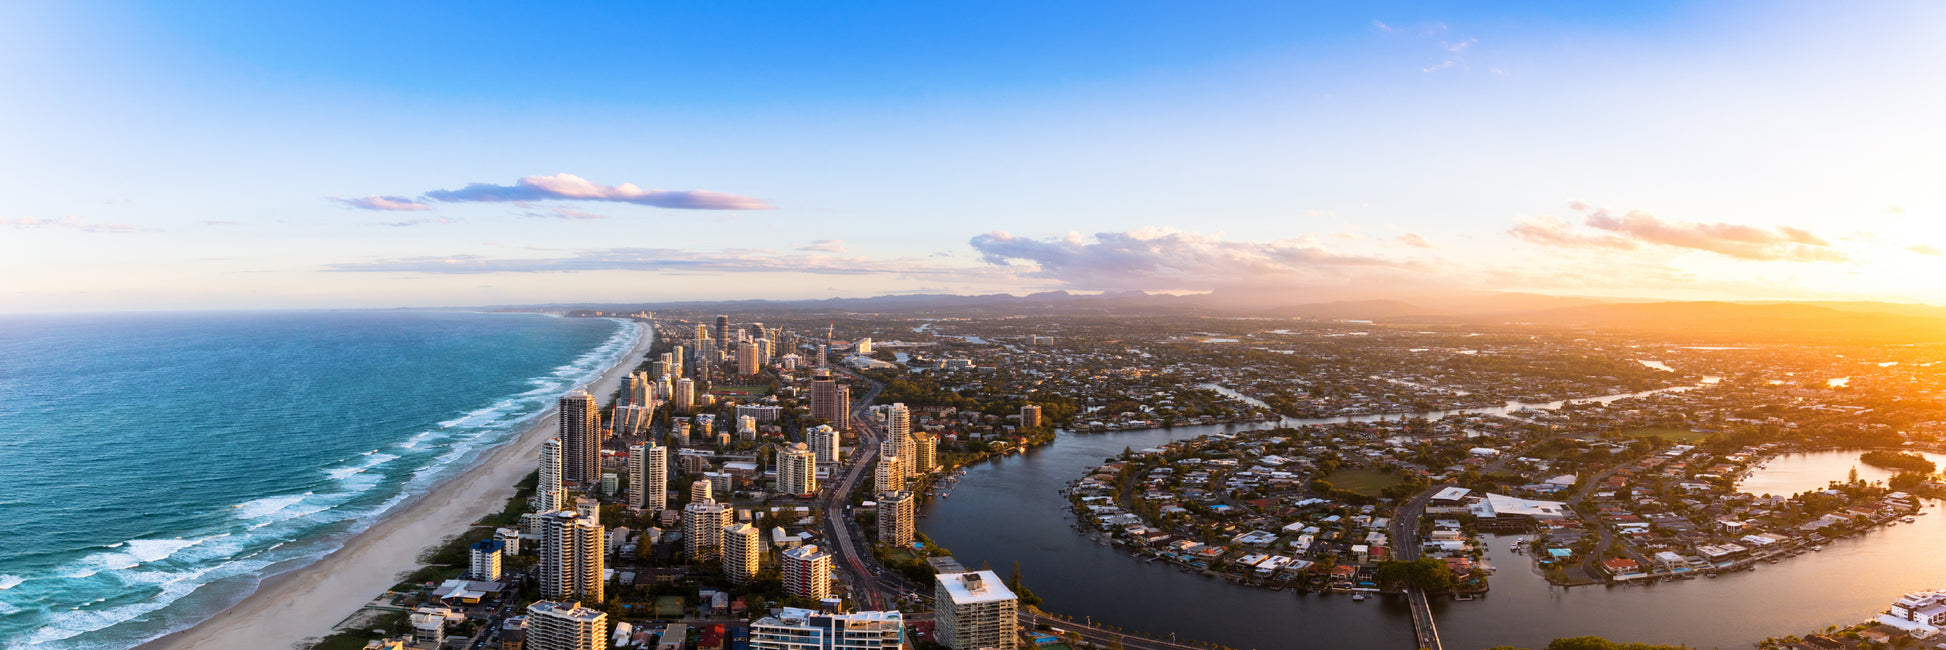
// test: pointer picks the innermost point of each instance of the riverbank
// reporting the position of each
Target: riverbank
(308, 602)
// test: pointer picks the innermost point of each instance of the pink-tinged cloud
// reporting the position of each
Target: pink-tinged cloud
(1165, 260)
(568, 187)
(565, 213)
(1636, 228)
(69, 222)
(385, 203)
(1549, 231)
(833, 246)
(1414, 240)
(1925, 249)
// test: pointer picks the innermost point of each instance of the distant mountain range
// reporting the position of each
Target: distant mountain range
(1756, 320)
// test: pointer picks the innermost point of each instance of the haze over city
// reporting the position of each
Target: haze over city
(211, 156)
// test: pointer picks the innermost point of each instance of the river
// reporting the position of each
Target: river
(1009, 510)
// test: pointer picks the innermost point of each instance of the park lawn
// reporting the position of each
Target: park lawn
(1678, 435)
(668, 607)
(900, 555)
(1362, 481)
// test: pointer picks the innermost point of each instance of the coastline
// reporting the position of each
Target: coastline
(309, 602)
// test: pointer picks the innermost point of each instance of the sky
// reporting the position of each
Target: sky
(200, 155)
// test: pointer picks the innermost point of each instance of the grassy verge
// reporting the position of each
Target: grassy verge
(1362, 481)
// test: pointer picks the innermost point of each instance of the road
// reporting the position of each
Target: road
(851, 557)
(1405, 547)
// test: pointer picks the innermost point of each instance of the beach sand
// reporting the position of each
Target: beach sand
(303, 604)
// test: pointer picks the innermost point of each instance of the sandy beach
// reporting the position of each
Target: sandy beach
(307, 603)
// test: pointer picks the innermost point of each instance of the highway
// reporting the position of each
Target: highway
(850, 553)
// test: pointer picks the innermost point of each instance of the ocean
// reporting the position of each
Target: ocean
(153, 467)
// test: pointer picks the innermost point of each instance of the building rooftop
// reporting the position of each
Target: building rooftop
(806, 552)
(569, 610)
(975, 587)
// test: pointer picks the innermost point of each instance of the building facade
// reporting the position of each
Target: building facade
(803, 629)
(896, 514)
(648, 477)
(889, 475)
(565, 626)
(797, 470)
(484, 560)
(580, 439)
(742, 552)
(572, 554)
(925, 452)
(824, 442)
(831, 402)
(974, 610)
(549, 494)
(807, 572)
(702, 529)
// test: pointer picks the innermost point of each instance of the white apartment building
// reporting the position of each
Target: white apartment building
(743, 552)
(803, 629)
(572, 556)
(973, 611)
(824, 443)
(648, 477)
(702, 529)
(896, 514)
(565, 626)
(807, 572)
(797, 470)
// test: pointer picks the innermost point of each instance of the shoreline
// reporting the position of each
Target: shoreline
(309, 602)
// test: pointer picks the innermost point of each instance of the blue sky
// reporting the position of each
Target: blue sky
(206, 155)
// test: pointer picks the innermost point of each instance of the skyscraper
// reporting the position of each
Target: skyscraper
(889, 474)
(549, 495)
(797, 470)
(925, 452)
(974, 610)
(702, 529)
(742, 552)
(684, 400)
(580, 439)
(1030, 416)
(701, 490)
(896, 514)
(571, 553)
(565, 626)
(749, 361)
(648, 476)
(898, 426)
(824, 443)
(807, 572)
(831, 402)
(722, 330)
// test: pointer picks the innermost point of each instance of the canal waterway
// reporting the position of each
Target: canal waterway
(1010, 510)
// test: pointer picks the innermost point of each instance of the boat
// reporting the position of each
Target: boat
(1909, 519)
(1358, 597)
(1817, 548)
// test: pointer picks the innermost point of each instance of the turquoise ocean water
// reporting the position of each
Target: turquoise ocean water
(154, 467)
